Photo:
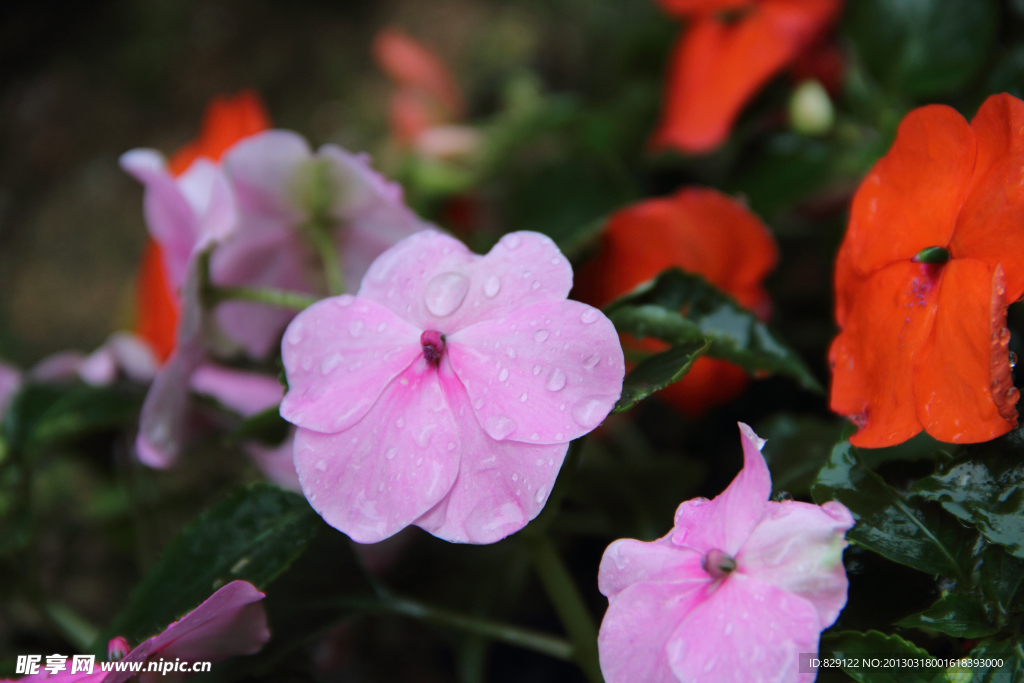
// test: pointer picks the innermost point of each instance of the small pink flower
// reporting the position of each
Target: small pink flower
(446, 392)
(231, 622)
(737, 589)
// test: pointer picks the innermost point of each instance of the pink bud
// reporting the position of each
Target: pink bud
(117, 649)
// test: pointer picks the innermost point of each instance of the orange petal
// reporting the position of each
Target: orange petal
(989, 226)
(872, 358)
(156, 306)
(411, 65)
(912, 196)
(709, 383)
(697, 229)
(718, 66)
(962, 379)
(225, 121)
(692, 7)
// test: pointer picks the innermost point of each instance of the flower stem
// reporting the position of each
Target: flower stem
(568, 603)
(553, 646)
(272, 297)
(321, 236)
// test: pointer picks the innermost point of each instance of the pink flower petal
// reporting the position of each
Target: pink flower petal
(433, 281)
(725, 522)
(798, 547)
(10, 385)
(265, 172)
(501, 485)
(170, 218)
(388, 469)
(277, 462)
(637, 627)
(546, 373)
(161, 423)
(246, 393)
(628, 561)
(744, 631)
(207, 191)
(339, 354)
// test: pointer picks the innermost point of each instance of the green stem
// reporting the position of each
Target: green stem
(272, 297)
(568, 603)
(321, 236)
(77, 630)
(552, 646)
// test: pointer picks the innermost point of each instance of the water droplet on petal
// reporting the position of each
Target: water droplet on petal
(523, 397)
(295, 332)
(590, 315)
(382, 327)
(589, 412)
(535, 285)
(400, 422)
(479, 403)
(503, 375)
(592, 361)
(422, 436)
(321, 465)
(356, 328)
(492, 286)
(330, 363)
(556, 380)
(445, 293)
(537, 369)
(345, 300)
(511, 352)
(540, 335)
(380, 487)
(515, 477)
(391, 453)
(511, 241)
(542, 493)
(499, 426)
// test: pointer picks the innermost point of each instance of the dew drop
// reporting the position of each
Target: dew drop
(537, 369)
(535, 285)
(523, 397)
(535, 437)
(356, 328)
(321, 465)
(511, 241)
(345, 300)
(400, 422)
(511, 352)
(422, 436)
(330, 363)
(556, 380)
(479, 403)
(295, 332)
(419, 461)
(589, 316)
(589, 412)
(382, 327)
(499, 426)
(492, 287)
(540, 335)
(541, 495)
(445, 293)
(451, 445)
(380, 487)
(503, 375)
(591, 362)
(391, 453)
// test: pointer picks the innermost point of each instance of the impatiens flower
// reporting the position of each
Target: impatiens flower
(426, 96)
(730, 50)
(445, 393)
(699, 230)
(250, 393)
(931, 258)
(229, 623)
(734, 592)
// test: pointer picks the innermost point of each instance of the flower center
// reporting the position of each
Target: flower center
(932, 256)
(717, 564)
(432, 342)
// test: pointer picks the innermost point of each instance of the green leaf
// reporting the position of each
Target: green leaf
(797, 447)
(30, 405)
(922, 47)
(659, 371)
(253, 535)
(789, 168)
(985, 487)
(1002, 579)
(83, 411)
(267, 427)
(1012, 656)
(679, 308)
(961, 615)
(856, 646)
(897, 526)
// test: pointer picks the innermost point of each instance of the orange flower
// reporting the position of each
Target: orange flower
(699, 230)
(225, 121)
(427, 95)
(933, 252)
(731, 49)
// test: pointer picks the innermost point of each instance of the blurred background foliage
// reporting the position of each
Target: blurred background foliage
(566, 93)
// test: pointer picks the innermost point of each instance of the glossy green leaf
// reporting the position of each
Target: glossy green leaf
(1009, 651)
(856, 646)
(961, 615)
(797, 447)
(922, 47)
(659, 371)
(1002, 580)
(789, 168)
(984, 487)
(253, 535)
(679, 308)
(900, 527)
(85, 410)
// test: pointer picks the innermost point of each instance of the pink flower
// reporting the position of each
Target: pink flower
(231, 622)
(737, 589)
(446, 392)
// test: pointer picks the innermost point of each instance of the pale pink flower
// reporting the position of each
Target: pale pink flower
(446, 392)
(10, 384)
(122, 354)
(229, 623)
(735, 592)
